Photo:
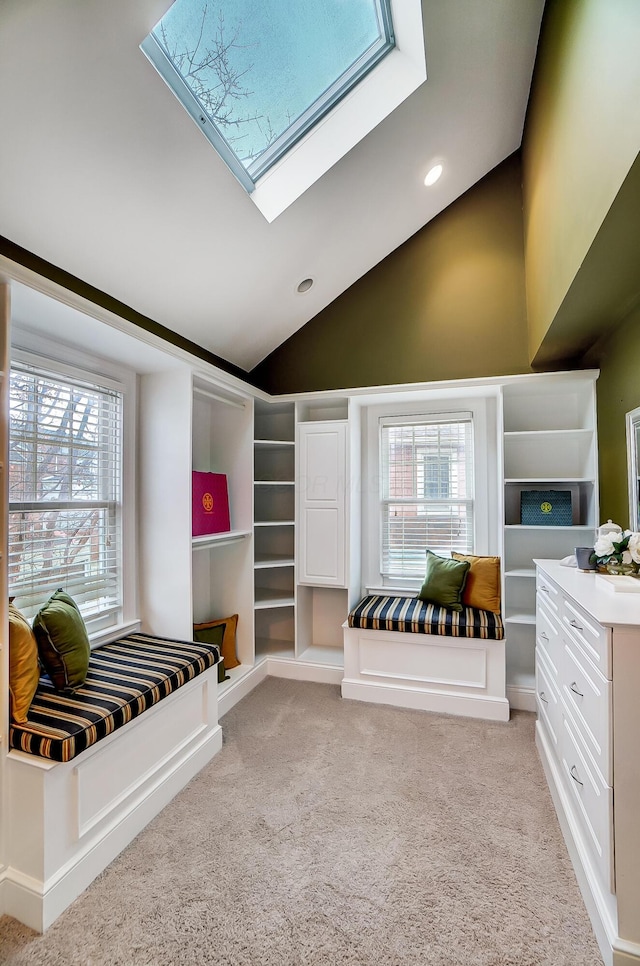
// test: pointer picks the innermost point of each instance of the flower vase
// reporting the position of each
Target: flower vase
(616, 569)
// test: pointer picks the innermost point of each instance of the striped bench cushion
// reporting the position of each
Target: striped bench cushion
(380, 613)
(125, 678)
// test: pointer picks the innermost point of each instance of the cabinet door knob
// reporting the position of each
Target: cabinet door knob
(574, 624)
(574, 687)
(575, 776)
(542, 698)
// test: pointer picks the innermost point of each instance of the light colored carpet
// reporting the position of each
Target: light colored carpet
(333, 832)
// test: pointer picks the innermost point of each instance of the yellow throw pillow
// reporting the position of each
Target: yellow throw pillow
(482, 589)
(228, 646)
(24, 671)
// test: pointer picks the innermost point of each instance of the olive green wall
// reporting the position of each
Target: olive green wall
(448, 303)
(618, 391)
(582, 134)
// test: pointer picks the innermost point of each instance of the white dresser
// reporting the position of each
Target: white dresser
(588, 737)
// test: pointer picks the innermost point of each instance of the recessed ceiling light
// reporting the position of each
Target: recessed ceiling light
(433, 174)
(304, 286)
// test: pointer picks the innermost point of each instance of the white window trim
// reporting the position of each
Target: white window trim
(31, 348)
(486, 478)
(384, 89)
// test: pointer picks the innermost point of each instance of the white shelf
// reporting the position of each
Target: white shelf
(547, 480)
(272, 647)
(520, 619)
(527, 572)
(274, 443)
(522, 679)
(274, 482)
(520, 526)
(266, 562)
(209, 540)
(235, 673)
(265, 599)
(274, 523)
(527, 433)
(323, 654)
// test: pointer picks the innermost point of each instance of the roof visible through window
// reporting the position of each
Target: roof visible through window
(257, 77)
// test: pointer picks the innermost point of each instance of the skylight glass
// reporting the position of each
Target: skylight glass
(257, 76)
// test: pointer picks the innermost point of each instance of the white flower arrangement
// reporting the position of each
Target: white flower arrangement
(618, 553)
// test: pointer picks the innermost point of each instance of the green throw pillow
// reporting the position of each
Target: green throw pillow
(63, 642)
(213, 635)
(444, 581)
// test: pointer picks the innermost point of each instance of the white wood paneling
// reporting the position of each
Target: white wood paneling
(462, 676)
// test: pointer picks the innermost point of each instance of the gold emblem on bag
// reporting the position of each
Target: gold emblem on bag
(207, 502)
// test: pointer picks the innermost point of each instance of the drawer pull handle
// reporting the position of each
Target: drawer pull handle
(577, 626)
(542, 698)
(545, 590)
(574, 687)
(543, 636)
(575, 777)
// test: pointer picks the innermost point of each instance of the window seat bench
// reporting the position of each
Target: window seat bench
(126, 677)
(89, 770)
(402, 651)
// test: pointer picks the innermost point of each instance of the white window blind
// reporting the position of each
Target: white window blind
(65, 481)
(426, 489)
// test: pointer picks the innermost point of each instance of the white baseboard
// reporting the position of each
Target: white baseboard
(303, 671)
(623, 958)
(522, 699)
(442, 702)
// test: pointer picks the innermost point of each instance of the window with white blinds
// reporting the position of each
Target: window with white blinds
(65, 483)
(426, 489)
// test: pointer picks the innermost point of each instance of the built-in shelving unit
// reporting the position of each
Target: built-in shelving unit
(188, 422)
(549, 443)
(221, 563)
(274, 523)
(328, 434)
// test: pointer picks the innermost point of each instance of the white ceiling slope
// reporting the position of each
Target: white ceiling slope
(103, 173)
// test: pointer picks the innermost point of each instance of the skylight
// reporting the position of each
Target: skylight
(256, 77)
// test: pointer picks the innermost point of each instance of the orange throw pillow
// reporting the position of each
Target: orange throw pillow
(482, 589)
(24, 671)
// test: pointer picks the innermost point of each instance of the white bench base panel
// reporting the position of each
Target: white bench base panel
(427, 672)
(67, 821)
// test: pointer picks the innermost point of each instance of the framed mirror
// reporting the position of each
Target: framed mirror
(633, 465)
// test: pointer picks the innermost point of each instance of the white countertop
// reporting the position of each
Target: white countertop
(608, 608)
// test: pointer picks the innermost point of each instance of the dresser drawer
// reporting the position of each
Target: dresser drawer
(587, 694)
(594, 639)
(592, 802)
(548, 591)
(548, 636)
(547, 701)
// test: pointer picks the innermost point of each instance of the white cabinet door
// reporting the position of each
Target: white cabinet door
(321, 484)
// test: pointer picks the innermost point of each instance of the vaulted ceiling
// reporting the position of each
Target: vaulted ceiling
(103, 174)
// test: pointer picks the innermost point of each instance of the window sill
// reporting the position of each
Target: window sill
(112, 633)
(389, 591)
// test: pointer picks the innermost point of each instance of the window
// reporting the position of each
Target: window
(65, 484)
(427, 489)
(257, 77)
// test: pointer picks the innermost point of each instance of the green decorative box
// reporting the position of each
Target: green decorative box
(546, 508)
